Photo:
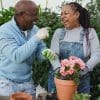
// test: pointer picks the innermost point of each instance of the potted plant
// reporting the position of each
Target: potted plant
(67, 77)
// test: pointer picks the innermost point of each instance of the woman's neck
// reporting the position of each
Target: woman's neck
(75, 25)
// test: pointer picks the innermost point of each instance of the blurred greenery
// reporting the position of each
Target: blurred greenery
(6, 15)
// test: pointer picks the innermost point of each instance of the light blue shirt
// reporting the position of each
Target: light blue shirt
(18, 52)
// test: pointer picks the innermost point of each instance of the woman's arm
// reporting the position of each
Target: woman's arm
(94, 50)
(55, 47)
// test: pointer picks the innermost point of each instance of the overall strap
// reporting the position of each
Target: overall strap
(62, 35)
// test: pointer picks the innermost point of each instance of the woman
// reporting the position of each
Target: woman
(77, 38)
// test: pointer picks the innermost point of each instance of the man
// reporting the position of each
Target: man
(20, 43)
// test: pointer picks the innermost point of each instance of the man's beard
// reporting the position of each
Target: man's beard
(28, 27)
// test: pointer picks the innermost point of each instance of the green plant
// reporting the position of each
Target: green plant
(95, 82)
(98, 98)
(81, 96)
(40, 72)
(6, 15)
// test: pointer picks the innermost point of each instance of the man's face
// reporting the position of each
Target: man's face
(29, 17)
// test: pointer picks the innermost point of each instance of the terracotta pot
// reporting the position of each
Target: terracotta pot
(65, 89)
(20, 96)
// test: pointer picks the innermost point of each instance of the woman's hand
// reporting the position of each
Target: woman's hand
(84, 71)
(48, 53)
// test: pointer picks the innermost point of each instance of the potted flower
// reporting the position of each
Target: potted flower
(67, 77)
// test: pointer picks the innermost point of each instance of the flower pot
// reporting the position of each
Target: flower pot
(20, 96)
(65, 89)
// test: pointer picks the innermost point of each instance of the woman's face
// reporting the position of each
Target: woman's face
(69, 17)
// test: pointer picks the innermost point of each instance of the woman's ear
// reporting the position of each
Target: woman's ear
(77, 15)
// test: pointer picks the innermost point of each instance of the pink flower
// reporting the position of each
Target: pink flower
(71, 63)
(78, 61)
(70, 68)
(64, 62)
(62, 71)
(70, 71)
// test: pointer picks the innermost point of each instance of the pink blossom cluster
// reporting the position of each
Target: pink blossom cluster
(68, 65)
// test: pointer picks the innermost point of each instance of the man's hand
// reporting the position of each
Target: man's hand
(48, 53)
(43, 33)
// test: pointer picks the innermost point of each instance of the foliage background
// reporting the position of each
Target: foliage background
(52, 20)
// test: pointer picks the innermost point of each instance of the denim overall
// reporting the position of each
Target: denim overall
(71, 49)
